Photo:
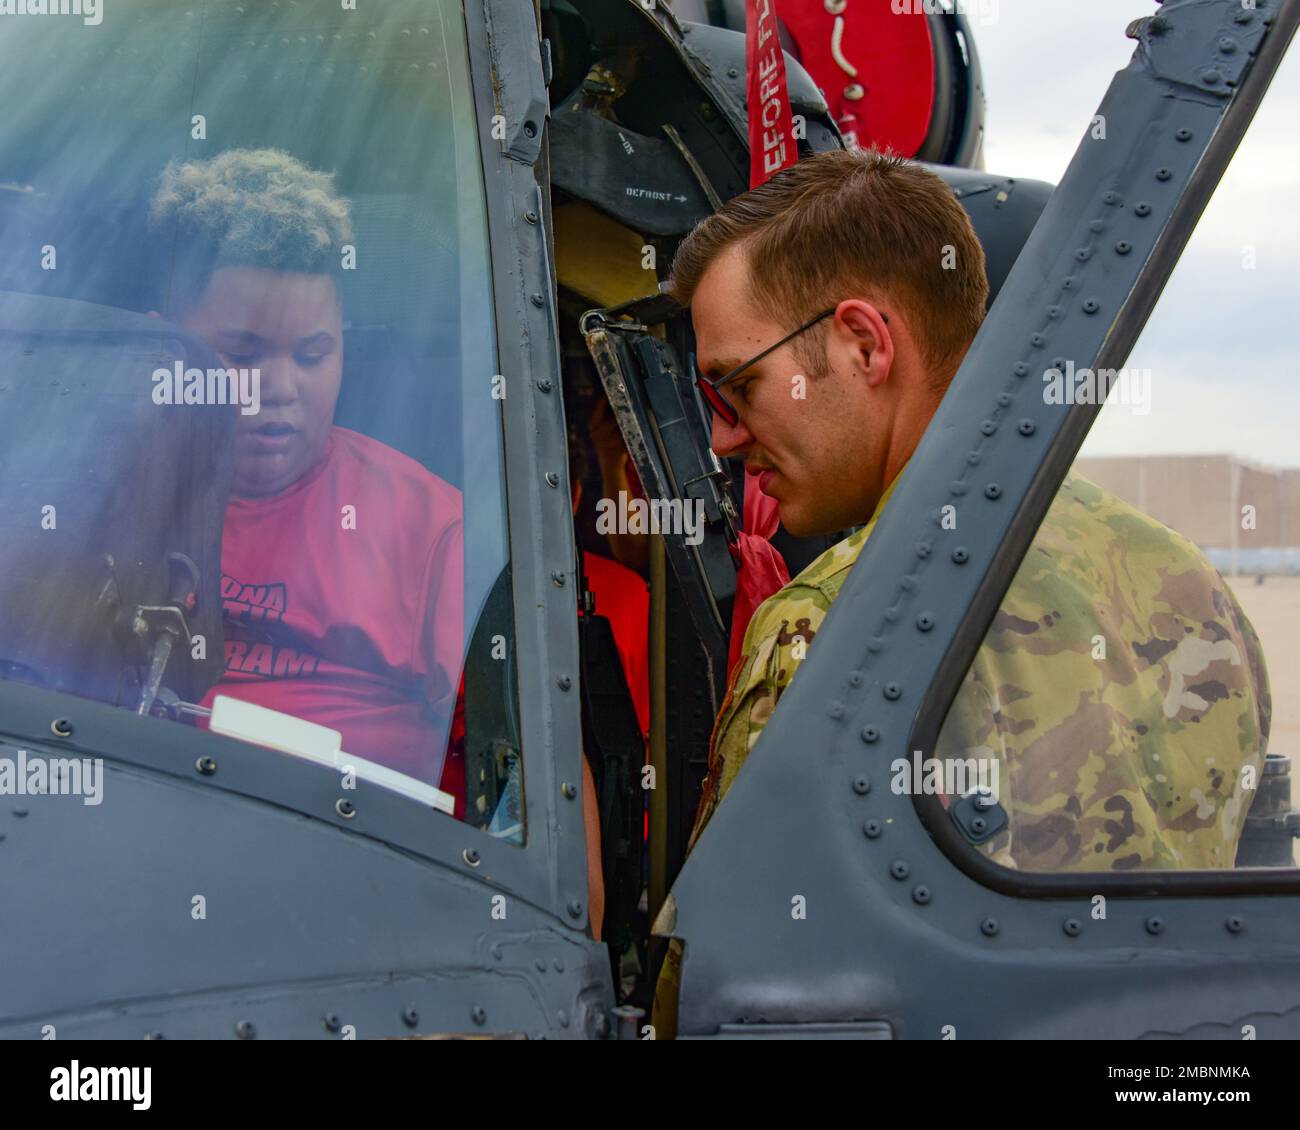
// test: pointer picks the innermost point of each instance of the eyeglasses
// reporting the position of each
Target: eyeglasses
(709, 389)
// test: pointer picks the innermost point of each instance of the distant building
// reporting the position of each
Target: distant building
(1244, 515)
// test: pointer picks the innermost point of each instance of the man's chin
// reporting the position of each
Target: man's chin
(798, 523)
(793, 520)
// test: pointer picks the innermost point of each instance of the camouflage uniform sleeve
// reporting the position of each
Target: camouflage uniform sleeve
(1122, 695)
(776, 643)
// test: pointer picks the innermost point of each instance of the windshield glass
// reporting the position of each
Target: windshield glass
(250, 440)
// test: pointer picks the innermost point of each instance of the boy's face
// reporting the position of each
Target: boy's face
(290, 327)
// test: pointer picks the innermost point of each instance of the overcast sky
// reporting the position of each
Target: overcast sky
(1221, 345)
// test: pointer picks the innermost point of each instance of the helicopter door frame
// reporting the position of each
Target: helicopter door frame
(898, 930)
(511, 72)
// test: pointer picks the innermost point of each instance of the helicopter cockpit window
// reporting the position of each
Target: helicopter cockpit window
(251, 469)
(1134, 704)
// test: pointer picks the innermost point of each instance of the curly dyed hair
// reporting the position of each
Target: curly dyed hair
(247, 208)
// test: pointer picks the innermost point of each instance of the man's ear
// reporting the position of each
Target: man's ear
(863, 329)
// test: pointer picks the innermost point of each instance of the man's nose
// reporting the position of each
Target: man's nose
(729, 439)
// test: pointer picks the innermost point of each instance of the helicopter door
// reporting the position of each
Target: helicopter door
(874, 912)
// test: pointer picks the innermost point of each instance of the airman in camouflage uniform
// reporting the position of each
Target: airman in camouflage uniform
(1120, 689)
(1120, 692)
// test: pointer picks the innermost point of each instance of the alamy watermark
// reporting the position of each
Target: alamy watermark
(1131, 387)
(944, 776)
(179, 385)
(90, 11)
(986, 11)
(53, 776)
(651, 516)
(102, 1084)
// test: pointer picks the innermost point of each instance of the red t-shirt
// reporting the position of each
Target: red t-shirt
(343, 603)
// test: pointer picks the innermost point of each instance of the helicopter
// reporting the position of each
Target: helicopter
(503, 185)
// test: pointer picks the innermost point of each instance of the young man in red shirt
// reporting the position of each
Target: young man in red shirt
(342, 559)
